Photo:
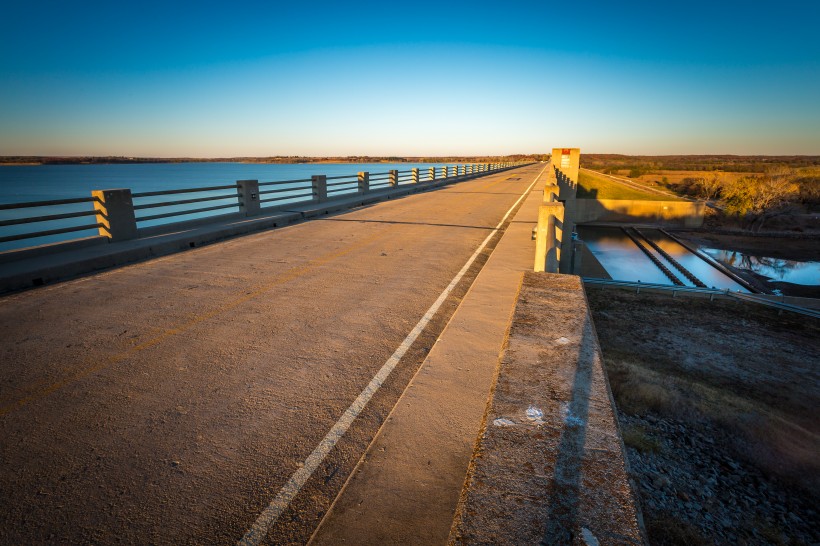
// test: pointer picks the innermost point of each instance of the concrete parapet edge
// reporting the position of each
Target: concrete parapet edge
(549, 464)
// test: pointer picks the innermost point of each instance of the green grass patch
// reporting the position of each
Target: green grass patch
(637, 437)
(591, 186)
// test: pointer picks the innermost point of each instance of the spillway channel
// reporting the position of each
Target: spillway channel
(625, 261)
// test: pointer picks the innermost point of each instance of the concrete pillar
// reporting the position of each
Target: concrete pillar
(548, 236)
(568, 161)
(461, 170)
(394, 178)
(570, 212)
(364, 182)
(248, 197)
(319, 184)
(551, 192)
(444, 172)
(115, 213)
(432, 173)
(415, 173)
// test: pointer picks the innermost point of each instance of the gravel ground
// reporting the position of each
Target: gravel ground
(717, 404)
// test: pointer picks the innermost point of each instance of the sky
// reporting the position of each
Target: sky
(219, 79)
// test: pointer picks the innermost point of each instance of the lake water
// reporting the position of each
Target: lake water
(25, 183)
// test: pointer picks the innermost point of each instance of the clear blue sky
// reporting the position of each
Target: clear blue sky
(213, 79)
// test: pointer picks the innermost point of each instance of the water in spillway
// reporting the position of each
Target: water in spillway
(624, 261)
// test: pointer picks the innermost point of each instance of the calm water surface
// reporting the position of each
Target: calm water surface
(776, 269)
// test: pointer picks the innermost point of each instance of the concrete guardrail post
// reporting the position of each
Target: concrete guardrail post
(115, 213)
(364, 182)
(415, 174)
(248, 197)
(394, 178)
(319, 184)
(461, 170)
(548, 237)
(551, 192)
(444, 172)
(432, 173)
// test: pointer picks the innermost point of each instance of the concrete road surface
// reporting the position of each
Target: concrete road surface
(170, 401)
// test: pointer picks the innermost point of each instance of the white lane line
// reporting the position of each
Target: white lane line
(269, 515)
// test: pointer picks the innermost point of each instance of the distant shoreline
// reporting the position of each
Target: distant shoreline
(90, 160)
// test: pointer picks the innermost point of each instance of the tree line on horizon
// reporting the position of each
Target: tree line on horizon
(638, 165)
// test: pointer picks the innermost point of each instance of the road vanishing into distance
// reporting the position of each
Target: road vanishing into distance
(170, 401)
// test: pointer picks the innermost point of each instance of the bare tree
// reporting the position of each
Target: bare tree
(709, 188)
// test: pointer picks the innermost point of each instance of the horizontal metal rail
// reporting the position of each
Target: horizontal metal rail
(637, 286)
(32, 219)
(33, 234)
(183, 202)
(776, 304)
(353, 176)
(280, 182)
(349, 189)
(286, 197)
(187, 211)
(52, 202)
(283, 190)
(345, 183)
(183, 190)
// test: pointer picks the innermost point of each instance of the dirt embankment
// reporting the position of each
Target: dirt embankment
(717, 403)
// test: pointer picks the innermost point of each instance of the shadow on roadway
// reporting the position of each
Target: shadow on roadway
(485, 228)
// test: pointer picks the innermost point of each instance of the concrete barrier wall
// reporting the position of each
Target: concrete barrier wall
(549, 465)
(666, 213)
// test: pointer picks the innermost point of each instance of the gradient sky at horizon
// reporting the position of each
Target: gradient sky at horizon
(328, 78)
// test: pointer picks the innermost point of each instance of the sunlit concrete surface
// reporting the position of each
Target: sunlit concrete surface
(406, 488)
(170, 400)
(550, 466)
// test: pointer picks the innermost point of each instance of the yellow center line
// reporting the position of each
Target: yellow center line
(285, 277)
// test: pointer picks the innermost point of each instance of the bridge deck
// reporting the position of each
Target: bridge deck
(170, 401)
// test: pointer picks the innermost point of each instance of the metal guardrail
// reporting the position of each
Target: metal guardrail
(248, 197)
(178, 207)
(684, 290)
(56, 204)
